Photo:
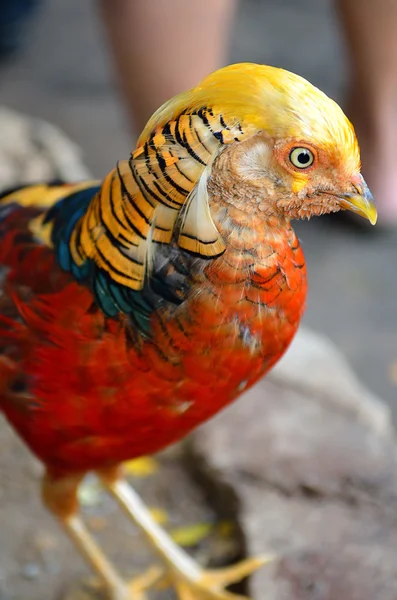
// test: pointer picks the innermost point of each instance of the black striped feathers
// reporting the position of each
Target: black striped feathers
(141, 201)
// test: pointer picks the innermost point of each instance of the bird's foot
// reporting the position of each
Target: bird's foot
(138, 586)
(134, 589)
(212, 584)
(181, 572)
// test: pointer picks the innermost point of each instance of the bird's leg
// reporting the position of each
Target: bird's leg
(60, 497)
(190, 581)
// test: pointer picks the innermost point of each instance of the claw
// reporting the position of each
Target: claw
(212, 583)
(139, 585)
(237, 572)
(181, 572)
(135, 589)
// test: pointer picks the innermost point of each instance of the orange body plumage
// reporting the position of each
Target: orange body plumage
(87, 391)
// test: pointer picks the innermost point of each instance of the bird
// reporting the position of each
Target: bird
(135, 308)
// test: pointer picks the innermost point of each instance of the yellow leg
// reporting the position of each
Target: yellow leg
(190, 581)
(60, 496)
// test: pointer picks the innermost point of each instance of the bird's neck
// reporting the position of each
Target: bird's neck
(263, 262)
(240, 210)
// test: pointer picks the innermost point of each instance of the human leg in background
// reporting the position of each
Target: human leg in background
(371, 34)
(163, 48)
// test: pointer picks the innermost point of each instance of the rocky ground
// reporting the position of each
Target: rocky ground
(313, 476)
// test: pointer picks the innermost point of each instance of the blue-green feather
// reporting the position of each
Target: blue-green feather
(161, 288)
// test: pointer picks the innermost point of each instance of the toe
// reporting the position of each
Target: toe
(138, 586)
(239, 571)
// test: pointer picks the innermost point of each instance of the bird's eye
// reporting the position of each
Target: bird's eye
(301, 158)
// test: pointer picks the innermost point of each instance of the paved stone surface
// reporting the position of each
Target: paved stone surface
(310, 477)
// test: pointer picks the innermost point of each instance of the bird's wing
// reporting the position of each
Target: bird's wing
(30, 279)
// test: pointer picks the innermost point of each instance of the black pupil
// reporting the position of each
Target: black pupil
(304, 157)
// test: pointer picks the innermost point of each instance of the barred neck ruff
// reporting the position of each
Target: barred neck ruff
(140, 200)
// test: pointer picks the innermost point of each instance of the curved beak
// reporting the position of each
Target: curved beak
(362, 203)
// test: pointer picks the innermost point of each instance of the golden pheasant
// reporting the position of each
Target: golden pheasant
(134, 309)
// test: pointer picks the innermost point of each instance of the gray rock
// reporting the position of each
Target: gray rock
(314, 365)
(33, 150)
(306, 464)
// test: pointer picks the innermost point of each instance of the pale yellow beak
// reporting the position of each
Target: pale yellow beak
(361, 203)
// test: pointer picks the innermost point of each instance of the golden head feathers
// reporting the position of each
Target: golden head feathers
(261, 97)
(160, 195)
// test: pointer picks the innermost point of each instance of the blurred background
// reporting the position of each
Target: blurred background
(63, 72)
(56, 65)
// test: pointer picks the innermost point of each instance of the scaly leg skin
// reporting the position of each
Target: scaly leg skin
(60, 497)
(189, 580)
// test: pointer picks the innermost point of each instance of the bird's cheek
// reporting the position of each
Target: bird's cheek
(299, 187)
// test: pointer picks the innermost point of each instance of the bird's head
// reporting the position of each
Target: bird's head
(298, 156)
